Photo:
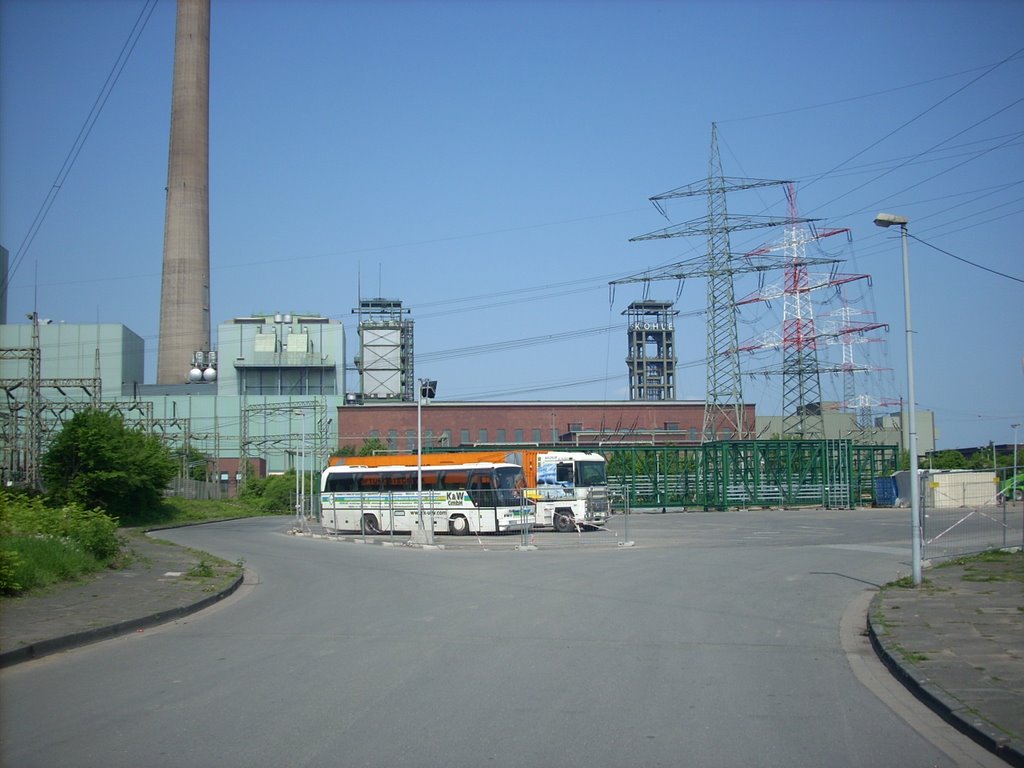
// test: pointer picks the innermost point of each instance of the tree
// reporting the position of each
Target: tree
(371, 446)
(946, 460)
(97, 461)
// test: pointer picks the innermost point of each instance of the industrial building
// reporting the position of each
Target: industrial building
(265, 403)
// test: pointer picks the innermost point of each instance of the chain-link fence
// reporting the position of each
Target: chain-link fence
(187, 488)
(962, 513)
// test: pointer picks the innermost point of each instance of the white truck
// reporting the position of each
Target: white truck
(569, 489)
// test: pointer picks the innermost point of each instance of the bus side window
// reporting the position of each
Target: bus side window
(400, 481)
(452, 480)
(429, 481)
(337, 483)
(369, 483)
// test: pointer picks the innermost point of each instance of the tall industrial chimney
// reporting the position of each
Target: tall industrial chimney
(185, 293)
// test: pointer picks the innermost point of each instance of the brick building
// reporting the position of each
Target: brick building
(590, 423)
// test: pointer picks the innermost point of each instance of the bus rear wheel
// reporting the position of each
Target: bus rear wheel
(370, 524)
(564, 522)
(458, 526)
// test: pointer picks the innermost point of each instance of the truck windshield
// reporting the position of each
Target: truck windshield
(590, 473)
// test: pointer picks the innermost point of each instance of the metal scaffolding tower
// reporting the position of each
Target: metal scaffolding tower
(723, 412)
(385, 359)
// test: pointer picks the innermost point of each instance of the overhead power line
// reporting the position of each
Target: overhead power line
(83, 134)
(916, 117)
(966, 261)
(873, 94)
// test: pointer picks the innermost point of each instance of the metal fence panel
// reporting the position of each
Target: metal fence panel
(964, 518)
(750, 473)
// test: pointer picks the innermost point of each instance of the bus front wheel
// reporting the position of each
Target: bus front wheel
(370, 524)
(564, 522)
(458, 526)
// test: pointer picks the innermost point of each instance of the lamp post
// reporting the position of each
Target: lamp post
(428, 388)
(1013, 483)
(889, 220)
(300, 470)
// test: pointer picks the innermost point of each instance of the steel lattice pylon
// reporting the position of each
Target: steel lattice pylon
(802, 414)
(724, 406)
(801, 380)
(724, 410)
(847, 332)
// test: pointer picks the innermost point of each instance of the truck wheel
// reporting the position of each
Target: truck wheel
(458, 526)
(564, 523)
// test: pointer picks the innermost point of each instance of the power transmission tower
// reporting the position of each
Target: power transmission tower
(724, 410)
(802, 414)
(842, 329)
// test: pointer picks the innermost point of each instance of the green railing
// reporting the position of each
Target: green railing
(750, 473)
(744, 473)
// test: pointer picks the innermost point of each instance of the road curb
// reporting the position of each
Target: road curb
(945, 706)
(89, 636)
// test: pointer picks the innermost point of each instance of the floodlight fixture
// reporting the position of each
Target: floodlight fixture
(890, 219)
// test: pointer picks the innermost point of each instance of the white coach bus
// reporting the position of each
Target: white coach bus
(481, 497)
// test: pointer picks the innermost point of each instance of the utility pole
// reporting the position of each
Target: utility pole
(34, 425)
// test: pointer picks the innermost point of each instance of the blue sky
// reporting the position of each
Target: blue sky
(487, 163)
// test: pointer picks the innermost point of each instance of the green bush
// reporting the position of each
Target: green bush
(41, 545)
(271, 495)
(90, 529)
(10, 562)
(180, 510)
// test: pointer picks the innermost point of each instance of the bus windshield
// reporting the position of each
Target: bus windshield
(511, 483)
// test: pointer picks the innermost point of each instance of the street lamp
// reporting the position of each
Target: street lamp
(1013, 483)
(300, 479)
(889, 220)
(428, 388)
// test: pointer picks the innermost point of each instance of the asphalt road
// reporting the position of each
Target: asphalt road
(714, 641)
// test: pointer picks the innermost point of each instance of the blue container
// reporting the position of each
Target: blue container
(885, 491)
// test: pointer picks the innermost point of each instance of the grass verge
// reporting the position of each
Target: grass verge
(994, 565)
(41, 547)
(35, 562)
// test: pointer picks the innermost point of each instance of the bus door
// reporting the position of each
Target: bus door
(482, 489)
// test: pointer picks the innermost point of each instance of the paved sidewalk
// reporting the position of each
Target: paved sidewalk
(156, 586)
(957, 642)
